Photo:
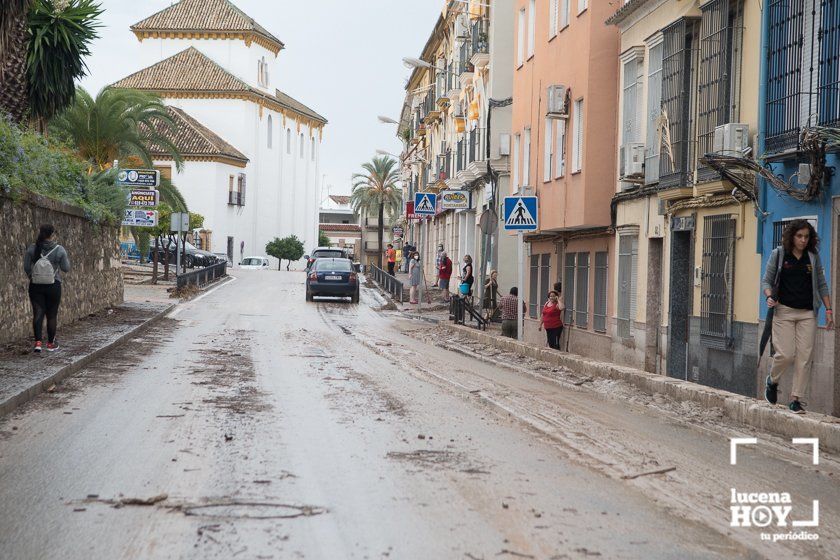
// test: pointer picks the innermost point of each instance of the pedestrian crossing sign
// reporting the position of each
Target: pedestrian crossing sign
(425, 204)
(520, 213)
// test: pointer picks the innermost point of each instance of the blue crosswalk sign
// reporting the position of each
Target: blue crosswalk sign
(520, 213)
(425, 204)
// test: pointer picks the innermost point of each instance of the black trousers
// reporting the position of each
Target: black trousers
(45, 299)
(553, 336)
(391, 268)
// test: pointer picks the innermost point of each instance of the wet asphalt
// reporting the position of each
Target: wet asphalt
(252, 424)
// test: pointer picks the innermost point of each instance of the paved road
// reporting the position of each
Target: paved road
(263, 426)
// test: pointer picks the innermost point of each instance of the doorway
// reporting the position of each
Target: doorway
(680, 304)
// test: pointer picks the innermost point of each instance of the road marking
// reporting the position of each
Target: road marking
(199, 298)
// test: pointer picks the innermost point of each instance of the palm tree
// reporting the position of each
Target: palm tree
(61, 32)
(376, 190)
(14, 32)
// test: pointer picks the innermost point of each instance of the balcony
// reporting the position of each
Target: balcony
(475, 155)
(480, 34)
(236, 198)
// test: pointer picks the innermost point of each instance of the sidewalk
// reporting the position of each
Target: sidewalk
(24, 374)
(741, 409)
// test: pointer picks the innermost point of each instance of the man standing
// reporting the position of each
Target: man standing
(437, 262)
(444, 274)
(391, 254)
(507, 305)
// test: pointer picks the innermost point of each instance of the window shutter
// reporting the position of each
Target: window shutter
(717, 283)
(599, 314)
(582, 291)
(548, 150)
(553, 17)
(545, 275)
(564, 13)
(577, 147)
(534, 289)
(629, 107)
(634, 274)
(627, 270)
(654, 111)
(561, 148)
(569, 288)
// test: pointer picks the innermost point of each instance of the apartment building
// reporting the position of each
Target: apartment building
(564, 149)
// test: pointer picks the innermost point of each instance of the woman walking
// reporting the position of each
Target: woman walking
(43, 262)
(552, 319)
(415, 276)
(795, 287)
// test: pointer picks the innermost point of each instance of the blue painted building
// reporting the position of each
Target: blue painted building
(800, 96)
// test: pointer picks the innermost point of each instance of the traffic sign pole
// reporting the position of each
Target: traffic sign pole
(520, 259)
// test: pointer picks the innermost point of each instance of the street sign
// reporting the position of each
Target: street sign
(149, 178)
(520, 213)
(180, 222)
(143, 198)
(454, 200)
(489, 222)
(140, 218)
(425, 203)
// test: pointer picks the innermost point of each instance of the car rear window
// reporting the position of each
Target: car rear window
(328, 254)
(340, 265)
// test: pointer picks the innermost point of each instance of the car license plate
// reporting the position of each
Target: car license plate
(332, 277)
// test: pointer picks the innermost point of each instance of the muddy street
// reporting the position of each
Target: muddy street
(253, 424)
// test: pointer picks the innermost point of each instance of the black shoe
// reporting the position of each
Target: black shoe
(771, 391)
(796, 407)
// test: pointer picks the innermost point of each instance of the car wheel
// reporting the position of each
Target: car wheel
(308, 295)
(354, 298)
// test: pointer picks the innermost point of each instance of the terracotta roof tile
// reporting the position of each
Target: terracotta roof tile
(340, 199)
(192, 70)
(194, 139)
(204, 15)
(340, 227)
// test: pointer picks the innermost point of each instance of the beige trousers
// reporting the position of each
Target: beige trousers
(794, 332)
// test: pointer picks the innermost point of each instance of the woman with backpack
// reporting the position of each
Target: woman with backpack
(795, 287)
(44, 262)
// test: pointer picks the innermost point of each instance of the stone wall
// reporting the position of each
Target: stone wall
(94, 282)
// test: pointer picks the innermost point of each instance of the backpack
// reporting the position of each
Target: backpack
(43, 271)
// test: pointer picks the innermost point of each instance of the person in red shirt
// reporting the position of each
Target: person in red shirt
(552, 319)
(444, 274)
(391, 254)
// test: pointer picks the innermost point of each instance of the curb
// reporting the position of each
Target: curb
(742, 409)
(31, 392)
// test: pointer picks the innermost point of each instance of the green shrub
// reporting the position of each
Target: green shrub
(30, 162)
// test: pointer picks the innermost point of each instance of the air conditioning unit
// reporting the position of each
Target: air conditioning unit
(731, 138)
(632, 159)
(504, 144)
(558, 108)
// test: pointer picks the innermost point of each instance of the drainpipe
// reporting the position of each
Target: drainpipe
(762, 121)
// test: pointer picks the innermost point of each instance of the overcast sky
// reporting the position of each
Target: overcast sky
(342, 58)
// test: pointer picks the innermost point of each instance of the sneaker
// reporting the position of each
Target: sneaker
(771, 391)
(37, 348)
(52, 346)
(796, 407)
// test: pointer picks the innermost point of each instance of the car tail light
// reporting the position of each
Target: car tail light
(314, 276)
(352, 277)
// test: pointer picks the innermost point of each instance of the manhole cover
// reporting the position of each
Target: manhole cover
(253, 510)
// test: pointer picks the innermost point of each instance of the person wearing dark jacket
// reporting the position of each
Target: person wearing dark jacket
(43, 262)
(795, 287)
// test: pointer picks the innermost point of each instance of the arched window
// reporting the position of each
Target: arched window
(288, 140)
(302, 145)
(270, 132)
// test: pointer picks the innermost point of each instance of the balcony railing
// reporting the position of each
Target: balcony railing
(236, 198)
(476, 151)
(460, 160)
(464, 55)
(442, 168)
(480, 35)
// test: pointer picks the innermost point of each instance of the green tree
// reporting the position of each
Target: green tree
(60, 34)
(323, 240)
(118, 124)
(289, 248)
(376, 192)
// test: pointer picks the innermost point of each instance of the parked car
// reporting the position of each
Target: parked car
(254, 263)
(327, 252)
(222, 257)
(332, 277)
(194, 257)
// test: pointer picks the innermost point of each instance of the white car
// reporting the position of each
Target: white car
(254, 263)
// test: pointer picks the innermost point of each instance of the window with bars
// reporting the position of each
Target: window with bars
(677, 64)
(599, 311)
(632, 97)
(569, 288)
(779, 227)
(829, 65)
(582, 291)
(717, 284)
(718, 81)
(654, 111)
(628, 258)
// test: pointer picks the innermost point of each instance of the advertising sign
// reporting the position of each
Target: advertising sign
(143, 198)
(148, 178)
(140, 218)
(455, 200)
(398, 232)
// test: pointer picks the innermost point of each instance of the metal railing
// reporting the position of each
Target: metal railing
(387, 282)
(202, 276)
(460, 307)
(480, 36)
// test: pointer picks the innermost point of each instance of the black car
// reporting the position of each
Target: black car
(326, 252)
(194, 257)
(332, 277)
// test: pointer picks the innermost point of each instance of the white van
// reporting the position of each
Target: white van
(254, 263)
